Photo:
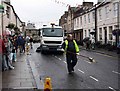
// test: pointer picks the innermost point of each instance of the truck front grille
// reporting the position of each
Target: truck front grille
(52, 42)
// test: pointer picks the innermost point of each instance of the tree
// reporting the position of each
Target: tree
(16, 30)
(11, 26)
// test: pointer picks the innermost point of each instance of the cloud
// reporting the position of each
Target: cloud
(41, 10)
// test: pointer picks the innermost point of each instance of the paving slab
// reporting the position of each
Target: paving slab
(19, 78)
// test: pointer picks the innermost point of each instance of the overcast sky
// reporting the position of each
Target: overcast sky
(43, 11)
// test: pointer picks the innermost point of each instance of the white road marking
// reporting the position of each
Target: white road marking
(116, 72)
(81, 71)
(87, 61)
(59, 58)
(112, 88)
(64, 61)
(94, 78)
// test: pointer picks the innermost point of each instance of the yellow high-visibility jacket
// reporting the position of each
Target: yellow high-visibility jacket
(76, 46)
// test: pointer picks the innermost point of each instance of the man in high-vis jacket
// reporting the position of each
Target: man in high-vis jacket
(71, 49)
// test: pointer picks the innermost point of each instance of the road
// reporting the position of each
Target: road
(102, 74)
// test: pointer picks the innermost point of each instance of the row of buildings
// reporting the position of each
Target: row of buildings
(9, 20)
(97, 21)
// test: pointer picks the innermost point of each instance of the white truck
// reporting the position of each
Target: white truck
(52, 38)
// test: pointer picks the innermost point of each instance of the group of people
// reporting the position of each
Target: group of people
(9, 46)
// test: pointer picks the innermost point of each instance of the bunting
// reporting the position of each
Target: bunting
(63, 3)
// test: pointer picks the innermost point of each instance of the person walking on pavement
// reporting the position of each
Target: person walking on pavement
(118, 48)
(2, 51)
(71, 49)
(31, 41)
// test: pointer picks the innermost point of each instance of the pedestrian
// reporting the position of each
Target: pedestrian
(71, 49)
(23, 44)
(7, 54)
(2, 51)
(118, 48)
(93, 43)
(15, 43)
(13, 52)
(20, 43)
(88, 43)
(31, 41)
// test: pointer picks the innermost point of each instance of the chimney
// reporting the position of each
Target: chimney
(99, 1)
(87, 4)
(7, 1)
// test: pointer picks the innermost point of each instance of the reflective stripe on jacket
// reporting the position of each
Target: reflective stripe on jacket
(76, 46)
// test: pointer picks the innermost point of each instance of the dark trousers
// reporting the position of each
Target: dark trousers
(71, 61)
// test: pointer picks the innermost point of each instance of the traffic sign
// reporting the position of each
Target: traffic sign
(1, 9)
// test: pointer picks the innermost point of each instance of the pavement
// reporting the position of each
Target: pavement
(103, 51)
(19, 78)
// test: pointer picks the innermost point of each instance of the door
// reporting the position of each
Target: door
(105, 29)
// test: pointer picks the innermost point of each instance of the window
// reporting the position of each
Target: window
(77, 21)
(8, 12)
(100, 15)
(89, 32)
(100, 33)
(85, 33)
(52, 32)
(110, 33)
(89, 18)
(81, 20)
(107, 11)
(115, 7)
(85, 18)
(93, 14)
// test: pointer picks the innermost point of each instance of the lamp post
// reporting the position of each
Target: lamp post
(118, 23)
(118, 18)
(95, 24)
(2, 11)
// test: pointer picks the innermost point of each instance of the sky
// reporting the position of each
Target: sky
(42, 12)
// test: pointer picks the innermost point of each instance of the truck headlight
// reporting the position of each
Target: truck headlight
(60, 46)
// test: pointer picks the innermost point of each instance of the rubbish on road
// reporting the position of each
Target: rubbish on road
(48, 85)
(91, 59)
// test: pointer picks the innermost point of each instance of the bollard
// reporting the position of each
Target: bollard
(47, 85)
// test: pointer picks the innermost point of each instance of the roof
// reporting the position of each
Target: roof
(13, 11)
(51, 26)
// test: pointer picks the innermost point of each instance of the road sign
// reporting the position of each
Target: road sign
(1, 9)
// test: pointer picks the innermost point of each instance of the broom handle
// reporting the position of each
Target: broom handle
(78, 55)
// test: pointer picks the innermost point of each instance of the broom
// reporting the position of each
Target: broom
(90, 58)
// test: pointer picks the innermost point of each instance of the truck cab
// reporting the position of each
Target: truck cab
(52, 38)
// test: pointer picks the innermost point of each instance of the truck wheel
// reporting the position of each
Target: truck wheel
(43, 52)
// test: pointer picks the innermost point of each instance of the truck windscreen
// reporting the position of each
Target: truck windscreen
(52, 32)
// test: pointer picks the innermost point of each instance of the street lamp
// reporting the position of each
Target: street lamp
(116, 32)
(118, 18)
(1, 9)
